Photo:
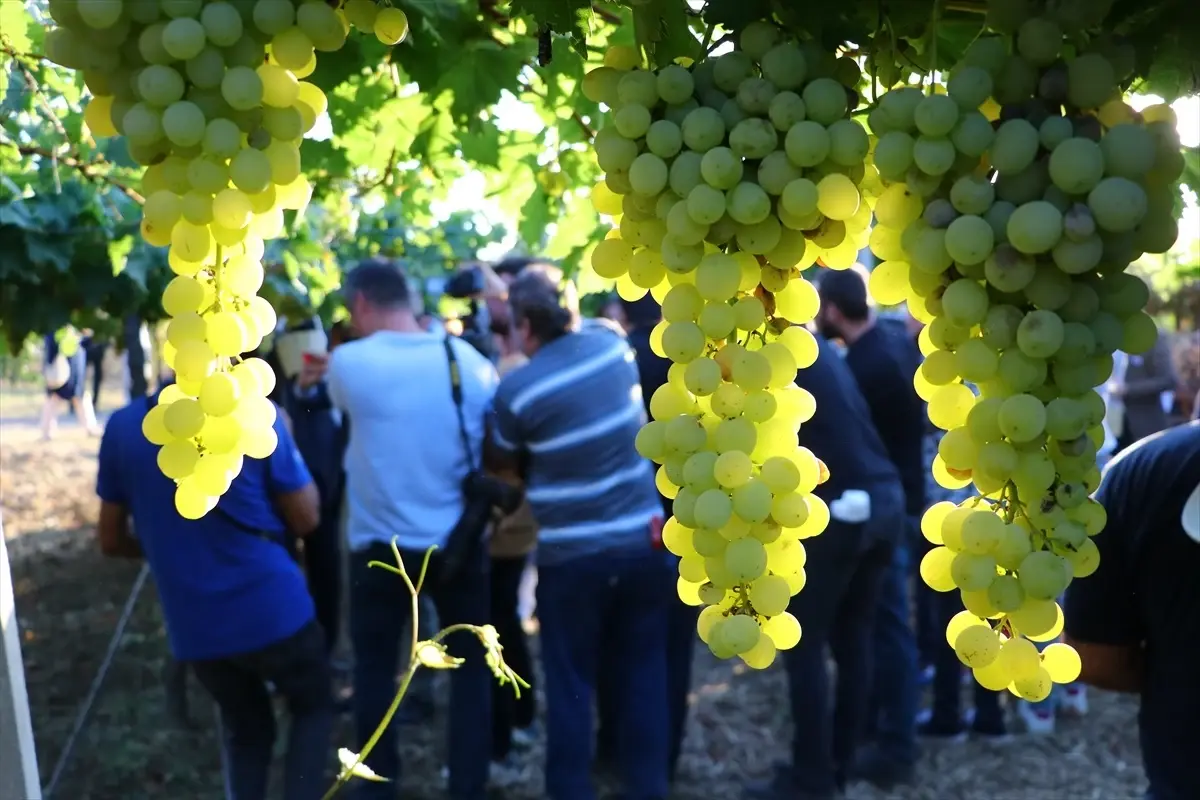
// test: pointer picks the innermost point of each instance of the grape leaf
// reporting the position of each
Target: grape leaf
(536, 216)
(737, 14)
(568, 18)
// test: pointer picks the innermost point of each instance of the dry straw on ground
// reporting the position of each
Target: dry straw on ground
(68, 599)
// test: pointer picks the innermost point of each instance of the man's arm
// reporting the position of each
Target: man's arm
(1102, 619)
(1117, 668)
(293, 492)
(112, 531)
(300, 509)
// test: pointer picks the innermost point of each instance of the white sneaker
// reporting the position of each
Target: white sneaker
(1038, 721)
(524, 738)
(1073, 700)
(501, 774)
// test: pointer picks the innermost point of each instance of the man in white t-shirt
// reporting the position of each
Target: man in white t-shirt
(405, 466)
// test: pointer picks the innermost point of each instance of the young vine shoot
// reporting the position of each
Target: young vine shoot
(1004, 208)
(209, 97)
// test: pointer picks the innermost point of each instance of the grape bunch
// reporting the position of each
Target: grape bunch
(726, 178)
(208, 96)
(1015, 200)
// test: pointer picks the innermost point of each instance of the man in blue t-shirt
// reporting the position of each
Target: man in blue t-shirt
(236, 605)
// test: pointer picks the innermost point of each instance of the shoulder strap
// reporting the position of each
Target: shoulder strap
(457, 395)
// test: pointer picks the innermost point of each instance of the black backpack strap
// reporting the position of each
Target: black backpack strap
(457, 394)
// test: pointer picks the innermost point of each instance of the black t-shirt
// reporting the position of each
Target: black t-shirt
(652, 369)
(841, 432)
(883, 361)
(1146, 592)
(652, 373)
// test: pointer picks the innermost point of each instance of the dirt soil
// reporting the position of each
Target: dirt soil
(69, 599)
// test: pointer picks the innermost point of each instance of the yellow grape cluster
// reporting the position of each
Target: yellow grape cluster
(726, 178)
(208, 96)
(1015, 200)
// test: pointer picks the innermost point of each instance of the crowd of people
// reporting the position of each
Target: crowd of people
(523, 453)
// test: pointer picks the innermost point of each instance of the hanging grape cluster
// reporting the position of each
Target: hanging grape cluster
(1015, 202)
(726, 178)
(209, 97)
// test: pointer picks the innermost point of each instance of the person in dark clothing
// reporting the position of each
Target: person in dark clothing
(883, 360)
(95, 349)
(847, 563)
(1136, 620)
(321, 438)
(642, 315)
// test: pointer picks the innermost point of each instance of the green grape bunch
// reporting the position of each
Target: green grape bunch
(209, 97)
(1015, 201)
(725, 178)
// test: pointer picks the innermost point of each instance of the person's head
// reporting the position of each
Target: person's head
(644, 312)
(544, 306)
(509, 268)
(379, 297)
(845, 307)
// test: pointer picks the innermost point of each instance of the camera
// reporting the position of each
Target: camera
(468, 284)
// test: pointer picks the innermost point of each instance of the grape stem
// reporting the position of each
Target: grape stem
(934, 23)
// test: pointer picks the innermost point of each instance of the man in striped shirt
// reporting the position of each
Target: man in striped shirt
(569, 418)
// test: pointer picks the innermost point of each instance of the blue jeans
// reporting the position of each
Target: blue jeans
(299, 668)
(947, 680)
(896, 688)
(836, 609)
(626, 596)
(380, 612)
(681, 649)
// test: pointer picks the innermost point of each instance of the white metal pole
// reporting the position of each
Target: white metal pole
(16, 728)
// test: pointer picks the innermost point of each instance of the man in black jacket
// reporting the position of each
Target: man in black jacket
(883, 360)
(847, 563)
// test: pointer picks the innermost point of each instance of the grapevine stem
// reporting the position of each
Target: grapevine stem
(933, 46)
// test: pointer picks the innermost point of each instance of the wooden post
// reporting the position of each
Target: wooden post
(18, 758)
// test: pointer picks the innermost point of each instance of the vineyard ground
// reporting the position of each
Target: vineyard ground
(69, 598)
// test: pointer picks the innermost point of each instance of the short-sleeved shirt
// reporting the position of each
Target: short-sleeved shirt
(405, 462)
(224, 590)
(573, 412)
(883, 361)
(1146, 593)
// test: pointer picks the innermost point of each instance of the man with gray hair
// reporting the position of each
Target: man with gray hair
(405, 465)
(569, 418)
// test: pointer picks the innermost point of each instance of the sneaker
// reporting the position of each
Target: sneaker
(875, 768)
(502, 773)
(1074, 701)
(941, 731)
(525, 738)
(926, 676)
(1038, 720)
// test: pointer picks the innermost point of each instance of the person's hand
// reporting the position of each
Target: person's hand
(313, 370)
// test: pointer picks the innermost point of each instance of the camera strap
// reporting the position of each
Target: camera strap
(457, 394)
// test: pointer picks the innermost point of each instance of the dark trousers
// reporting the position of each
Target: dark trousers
(947, 679)
(681, 649)
(299, 668)
(380, 612)
(896, 693)
(836, 608)
(510, 711)
(625, 596)
(323, 568)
